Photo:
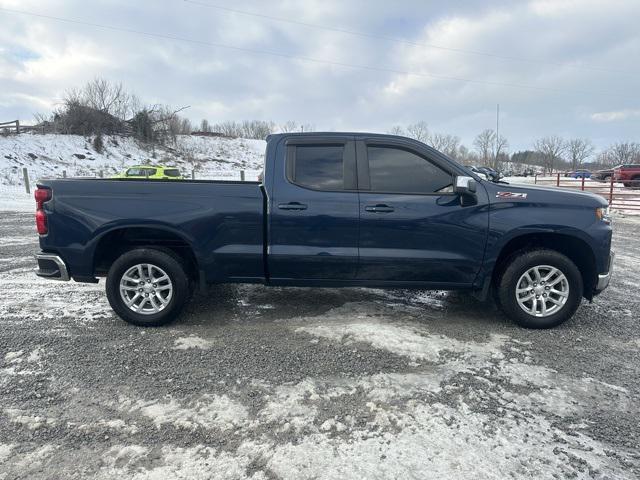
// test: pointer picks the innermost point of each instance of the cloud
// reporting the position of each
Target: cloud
(575, 55)
(615, 116)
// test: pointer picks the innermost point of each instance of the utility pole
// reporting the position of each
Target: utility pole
(495, 161)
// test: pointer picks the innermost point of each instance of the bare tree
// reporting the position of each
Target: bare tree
(465, 156)
(418, 131)
(185, 126)
(491, 147)
(257, 129)
(228, 128)
(624, 152)
(606, 159)
(105, 96)
(500, 153)
(204, 125)
(289, 126)
(579, 149)
(445, 143)
(551, 149)
(397, 130)
(484, 143)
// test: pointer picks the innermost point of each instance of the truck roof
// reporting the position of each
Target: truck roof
(337, 134)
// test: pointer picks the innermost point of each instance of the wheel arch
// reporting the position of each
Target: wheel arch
(575, 248)
(128, 237)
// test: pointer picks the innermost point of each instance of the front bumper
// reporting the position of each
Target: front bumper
(52, 267)
(605, 278)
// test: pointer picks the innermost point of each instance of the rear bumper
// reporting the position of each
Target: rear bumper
(605, 278)
(52, 267)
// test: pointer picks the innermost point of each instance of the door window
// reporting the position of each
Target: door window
(393, 170)
(319, 167)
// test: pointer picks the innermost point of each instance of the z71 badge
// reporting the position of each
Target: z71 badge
(511, 195)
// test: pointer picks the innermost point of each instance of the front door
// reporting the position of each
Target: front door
(413, 227)
(313, 229)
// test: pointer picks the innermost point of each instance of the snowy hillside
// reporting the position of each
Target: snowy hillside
(50, 155)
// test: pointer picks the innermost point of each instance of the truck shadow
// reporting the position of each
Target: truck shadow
(246, 304)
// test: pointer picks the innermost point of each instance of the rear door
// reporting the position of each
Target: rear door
(313, 210)
(413, 228)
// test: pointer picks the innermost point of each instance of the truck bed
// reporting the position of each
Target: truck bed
(222, 221)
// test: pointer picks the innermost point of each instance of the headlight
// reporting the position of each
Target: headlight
(602, 213)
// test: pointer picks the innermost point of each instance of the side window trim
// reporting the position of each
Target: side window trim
(349, 169)
(363, 153)
(364, 182)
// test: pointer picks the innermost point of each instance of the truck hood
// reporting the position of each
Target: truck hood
(541, 195)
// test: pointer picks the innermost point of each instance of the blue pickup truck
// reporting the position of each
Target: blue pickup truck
(332, 210)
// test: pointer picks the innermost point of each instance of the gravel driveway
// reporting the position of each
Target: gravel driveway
(322, 384)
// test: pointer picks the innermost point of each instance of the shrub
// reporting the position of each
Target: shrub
(98, 143)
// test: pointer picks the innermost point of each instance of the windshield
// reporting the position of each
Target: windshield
(172, 172)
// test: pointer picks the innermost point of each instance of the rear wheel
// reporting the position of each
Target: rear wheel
(147, 287)
(540, 288)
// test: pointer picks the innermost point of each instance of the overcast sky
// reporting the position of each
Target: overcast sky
(566, 67)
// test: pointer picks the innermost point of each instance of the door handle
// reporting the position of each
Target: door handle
(292, 206)
(380, 208)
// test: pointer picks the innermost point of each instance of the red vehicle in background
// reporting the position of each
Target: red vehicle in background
(628, 174)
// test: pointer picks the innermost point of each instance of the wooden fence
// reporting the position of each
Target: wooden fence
(7, 128)
(13, 128)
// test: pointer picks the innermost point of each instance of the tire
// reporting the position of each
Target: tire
(157, 303)
(568, 282)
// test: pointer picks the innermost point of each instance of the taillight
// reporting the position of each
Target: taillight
(41, 195)
(41, 222)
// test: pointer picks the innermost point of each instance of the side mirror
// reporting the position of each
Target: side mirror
(465, 185)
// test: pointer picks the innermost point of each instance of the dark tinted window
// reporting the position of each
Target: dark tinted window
(400, 171)
(172, 172)
(319, 167)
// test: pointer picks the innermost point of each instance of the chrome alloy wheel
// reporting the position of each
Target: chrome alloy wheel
(542, 291)
(146, 289)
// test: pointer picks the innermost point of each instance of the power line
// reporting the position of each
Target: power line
(305, 58)
(402, 40)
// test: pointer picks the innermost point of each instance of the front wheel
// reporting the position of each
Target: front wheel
(147, 287)
(540, 288)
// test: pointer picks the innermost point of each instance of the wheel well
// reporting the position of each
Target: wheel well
(128, 238)
(577, 250)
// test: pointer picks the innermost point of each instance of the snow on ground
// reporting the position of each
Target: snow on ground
(217, 411)
(48, 155)
(16, 298)
(192, 341)
(14, 198)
